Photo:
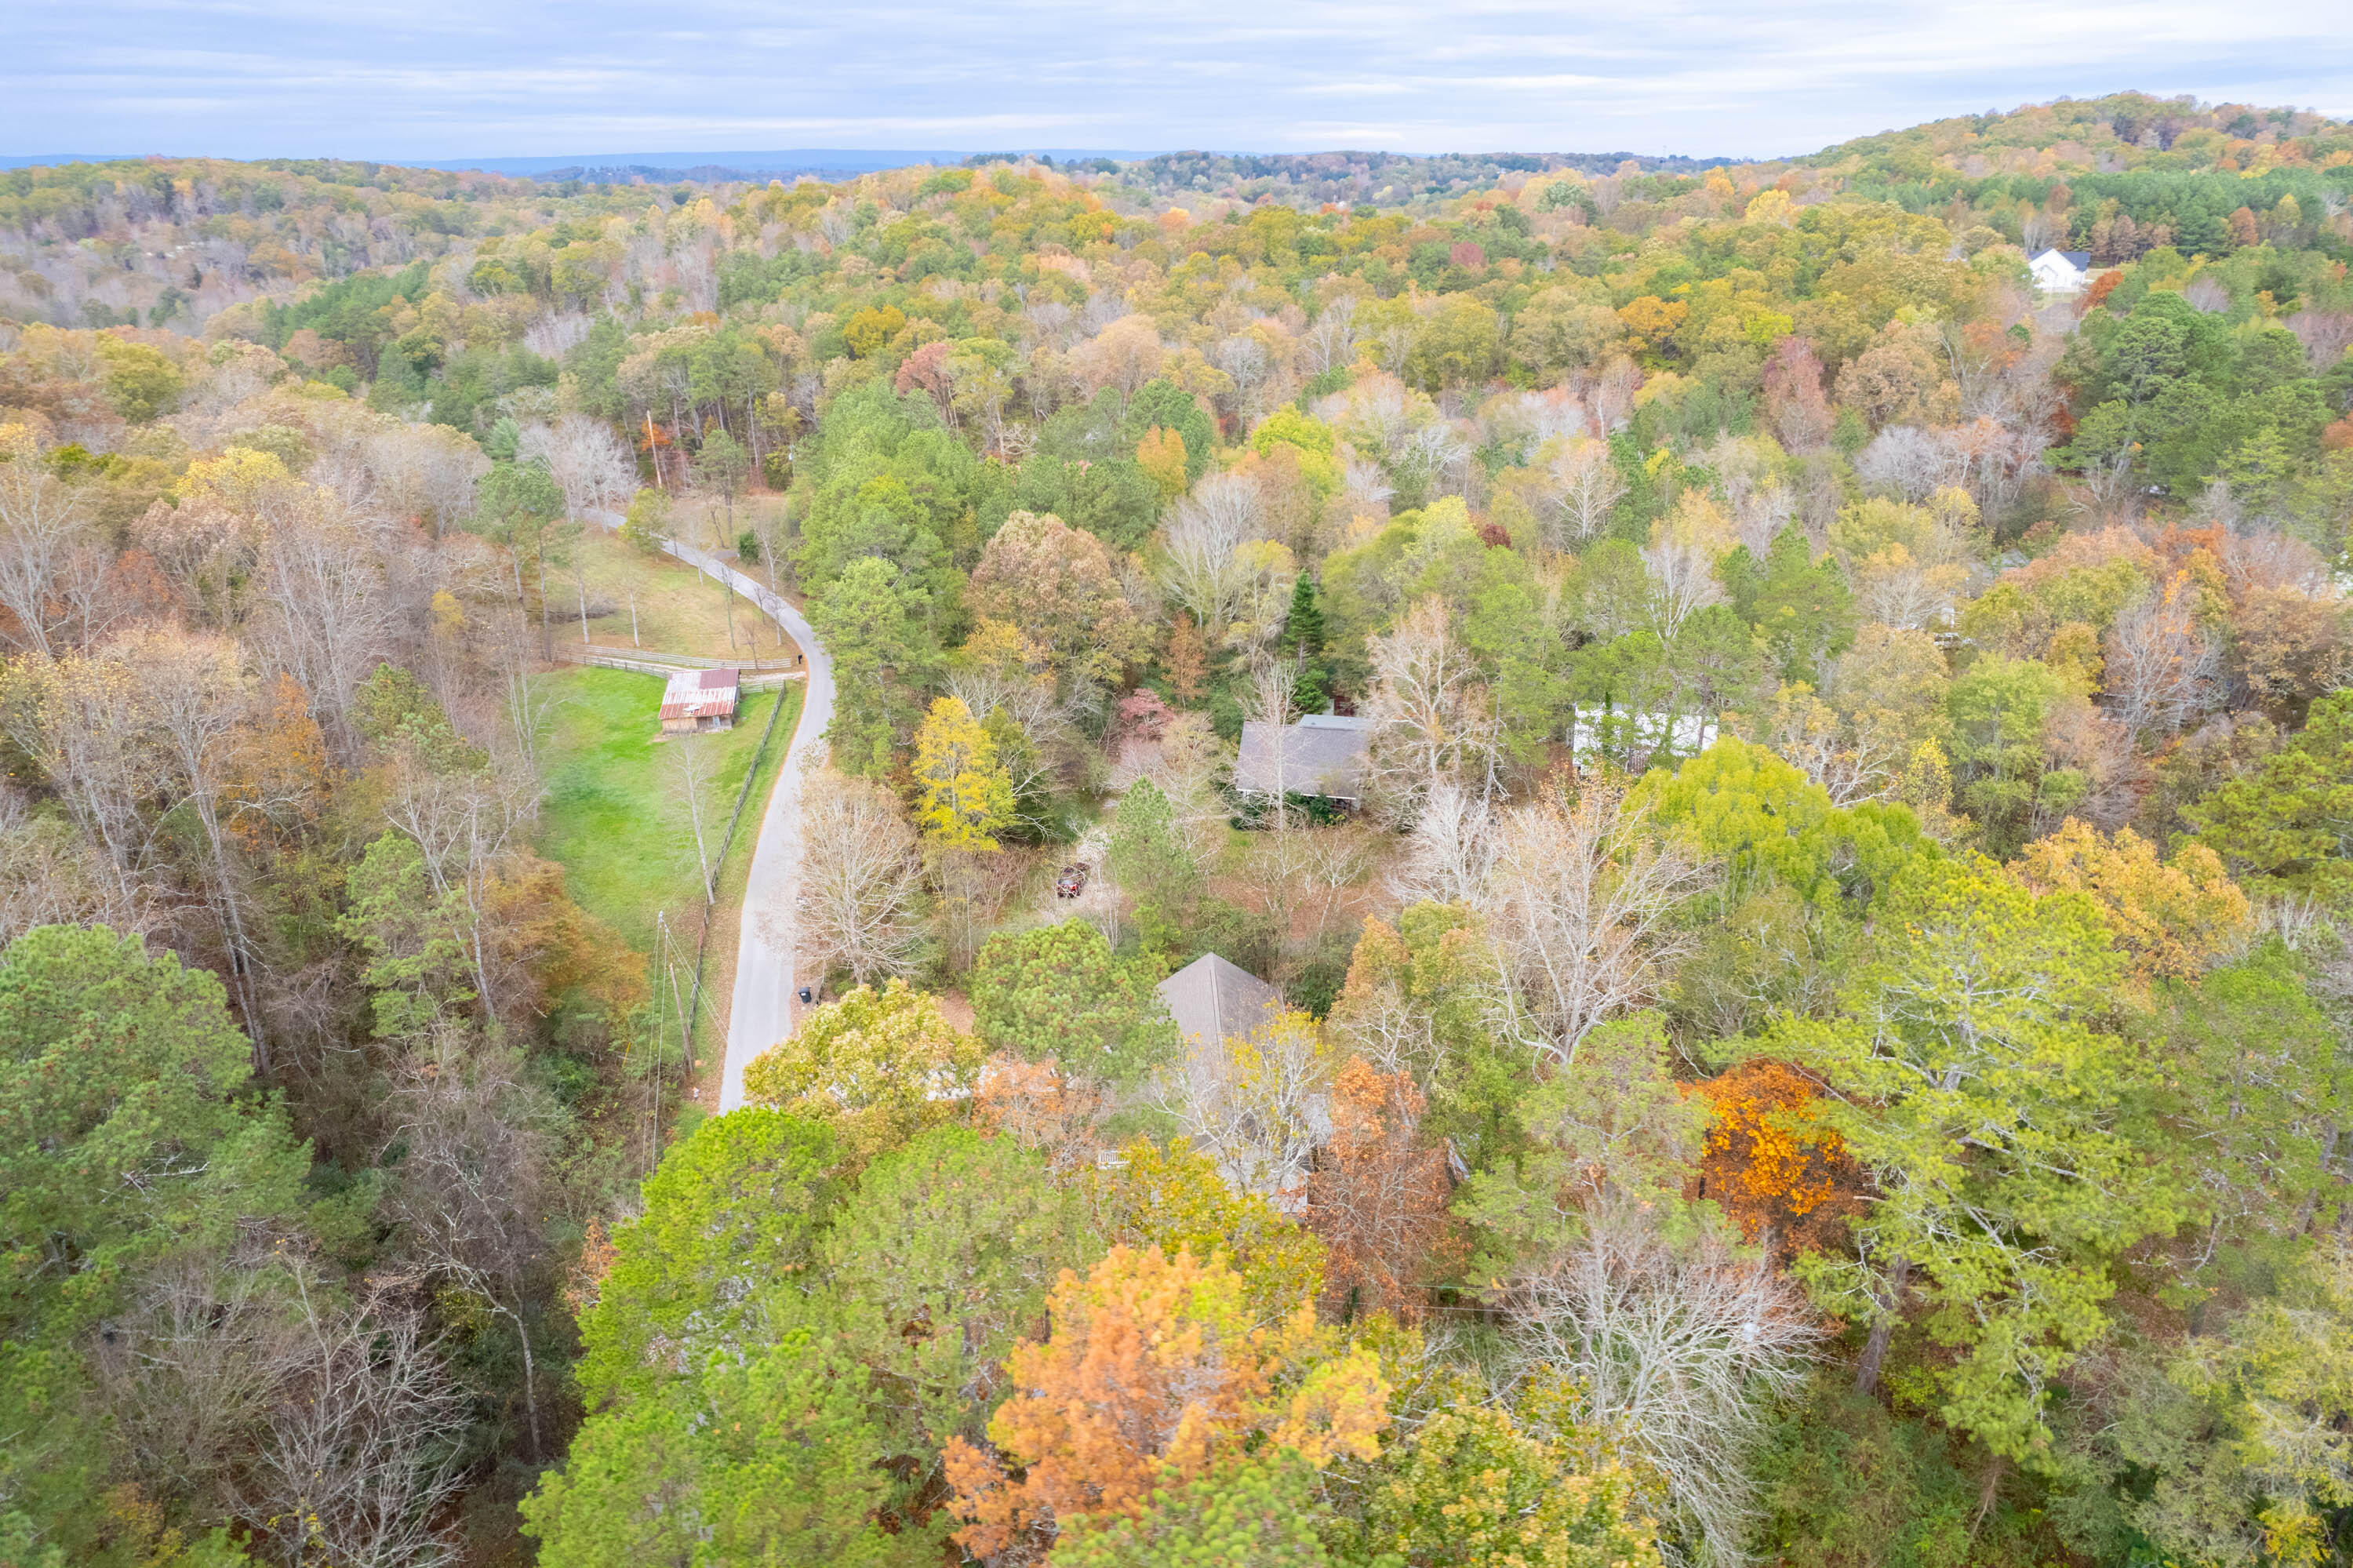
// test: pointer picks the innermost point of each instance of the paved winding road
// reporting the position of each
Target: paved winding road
(762, 1012)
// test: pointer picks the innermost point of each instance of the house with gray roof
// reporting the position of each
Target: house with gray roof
(1213, 1001)
(1323, 754)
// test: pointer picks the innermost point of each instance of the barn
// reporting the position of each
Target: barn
(698, 701)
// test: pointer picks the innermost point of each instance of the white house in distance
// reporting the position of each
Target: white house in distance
(1622, 737)
(2062, 271)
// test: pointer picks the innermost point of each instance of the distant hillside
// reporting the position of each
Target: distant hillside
(1381, 179)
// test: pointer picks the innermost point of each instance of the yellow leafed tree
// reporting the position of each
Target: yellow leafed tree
(966, 799)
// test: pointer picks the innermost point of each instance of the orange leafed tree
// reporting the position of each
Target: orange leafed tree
(1188, 662)
(1152, 1370)
(1767, 1164)
(1039, 1106)
(1377, 1196)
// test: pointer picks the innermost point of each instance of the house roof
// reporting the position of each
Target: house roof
(2079, 260)
(700, 693)
(1321, 758)
(1212, 1000)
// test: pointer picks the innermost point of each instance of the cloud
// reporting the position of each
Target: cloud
(437, 78)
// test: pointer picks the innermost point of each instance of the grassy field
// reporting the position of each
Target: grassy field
(609, 817)
(680, 610)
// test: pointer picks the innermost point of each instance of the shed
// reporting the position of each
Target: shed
(697, 701)
(1323, 754)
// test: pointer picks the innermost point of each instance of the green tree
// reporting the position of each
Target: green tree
(140, 382)
(722, 465)
(521, 506)
(2287, 826)
(1255, 1510)
(876, 1066)
(1801, 608)
(1059, 991)
(646, 527)
(875, 627)
(1165, 405)
(938, 1265)
(1421, 994)
(1999, 706)
(1152, 864)
(1172, 1198)
(1770, 824)
(129, 1136)
(2256, 1086)
(1470, 1489)
(2229, 1447)
(766, 1457)
(734, 1207)
(126, 1128)
(1617, 1129)
(419, 943)
(2010, 1136)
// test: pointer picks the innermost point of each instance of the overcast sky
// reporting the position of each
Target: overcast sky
(428, 79)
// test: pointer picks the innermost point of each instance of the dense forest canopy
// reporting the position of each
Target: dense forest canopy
(1766, 806)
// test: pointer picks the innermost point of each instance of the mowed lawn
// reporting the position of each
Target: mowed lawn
(680, 610)
(609, 818)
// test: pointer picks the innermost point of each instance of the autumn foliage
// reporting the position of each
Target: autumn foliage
(2170, 917)
(1767, 1164)
(1152, 1370)
(1377, 1197)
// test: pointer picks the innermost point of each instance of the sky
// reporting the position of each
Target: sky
(419, 81)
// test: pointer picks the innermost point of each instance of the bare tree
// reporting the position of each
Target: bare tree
(1332, 341)
(1586, 489)
(1204, 536)
(1912, 462)
(1256, 1105)
(1450, 850)
(858, 900)
(51, 876)
(425, 472)
(1338, 860)
(472, 1132)
(332, 615)
(331, 1429)
(1580, 910)
(465, 822)
(363, 1457)
(198, 700)
(83, 721)
(688, 768)
(1683, 581)
(46, 539)
(1185, 770)
(2162, 668)
(1432, 721)
(190, 1372)
(1674, 1359)
(2326, 336)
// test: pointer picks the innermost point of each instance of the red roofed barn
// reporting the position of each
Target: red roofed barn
(699, 700)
